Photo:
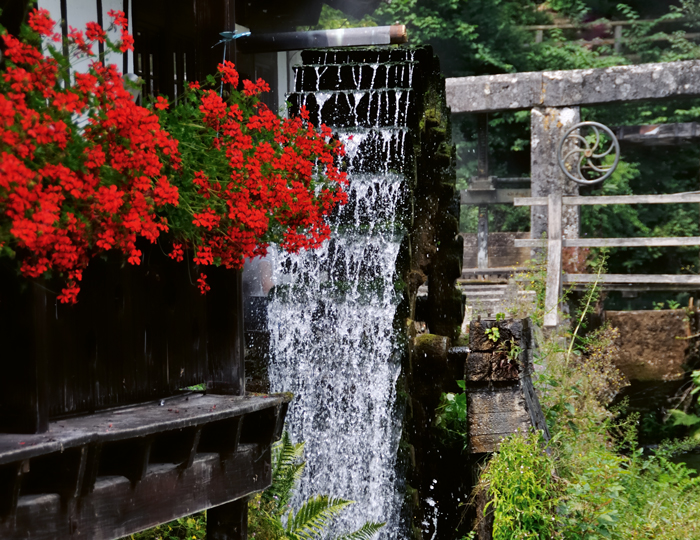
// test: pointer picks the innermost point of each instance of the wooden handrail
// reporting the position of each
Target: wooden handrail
(600, 22)
(616, 242)
(689, 197)
(555, 244)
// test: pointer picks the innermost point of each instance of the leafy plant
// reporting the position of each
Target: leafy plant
(270, 513)
(270, 516)
(247, 177)
(689, 419)
(494, 334)
(522, 488)
(451, 417)
(69, 192)
(192, 527)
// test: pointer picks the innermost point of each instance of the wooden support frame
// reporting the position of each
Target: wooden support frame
(116, 472)
(553, 291)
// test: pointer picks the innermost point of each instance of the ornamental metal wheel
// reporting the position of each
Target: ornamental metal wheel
(586, 151)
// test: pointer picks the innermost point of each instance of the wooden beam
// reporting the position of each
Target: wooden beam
(659, 134)
(116, 508)
(617, 242)
(517, 91)
(10, 483)
(496, 196)
(691, 197)
(482, 238)
(228, 521)
(144, 420)
(600, 22)
(622, 279)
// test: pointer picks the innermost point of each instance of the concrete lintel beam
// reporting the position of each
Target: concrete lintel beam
(513, 91)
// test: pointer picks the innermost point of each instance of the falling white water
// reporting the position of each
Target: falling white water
(332, 327)
(332, 343)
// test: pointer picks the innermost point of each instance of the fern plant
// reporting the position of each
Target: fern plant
(267, 511)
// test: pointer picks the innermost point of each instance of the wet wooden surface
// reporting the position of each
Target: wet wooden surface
(117, 507)
(134, 422)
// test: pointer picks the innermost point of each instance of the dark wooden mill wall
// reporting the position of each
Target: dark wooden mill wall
(175, 42)
(137, 333)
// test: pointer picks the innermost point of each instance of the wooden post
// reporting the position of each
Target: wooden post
(483, 177)
(554, 269)
(539, 36)
(618, 39)
(482, 238)
(228, 521)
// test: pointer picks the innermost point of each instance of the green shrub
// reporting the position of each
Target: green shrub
(521, 485)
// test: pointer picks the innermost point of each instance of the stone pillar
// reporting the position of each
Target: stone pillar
(547, 126)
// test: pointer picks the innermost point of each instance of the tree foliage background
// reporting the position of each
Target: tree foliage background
(477, 37)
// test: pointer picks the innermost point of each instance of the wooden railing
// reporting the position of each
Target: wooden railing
(618, 40)
(555, 243)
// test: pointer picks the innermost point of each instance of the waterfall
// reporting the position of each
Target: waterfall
(332, 321)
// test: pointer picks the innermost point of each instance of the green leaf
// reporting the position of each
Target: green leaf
(314, 515)
(366, 532)
(684, 419)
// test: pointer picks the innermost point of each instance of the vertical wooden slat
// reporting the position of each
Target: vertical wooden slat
(10, 485)
(197, 435)
(100, 21)
(125, 9)
(41, 360)
(180, 70)
(618, 39)
(554, 268)
(225, 322)
(92, 467)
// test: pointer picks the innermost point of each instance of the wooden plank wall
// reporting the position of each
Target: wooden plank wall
(137, 333)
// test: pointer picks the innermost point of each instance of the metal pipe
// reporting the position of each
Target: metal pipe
(319, 39)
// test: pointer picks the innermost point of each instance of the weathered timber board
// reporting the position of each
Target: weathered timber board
(492, 367)
(532, 404)
(658, 134)
(117, 508)
(482, 444)
(486, 401)
(691, 197)
(622, 279)
(618, 242)
(133, 422)
(574, 87)
(498, 423)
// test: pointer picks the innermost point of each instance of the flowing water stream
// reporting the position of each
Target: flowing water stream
(332, 322)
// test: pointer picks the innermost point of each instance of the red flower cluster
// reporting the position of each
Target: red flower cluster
(69, 192)
(66, 195)
(265, 179)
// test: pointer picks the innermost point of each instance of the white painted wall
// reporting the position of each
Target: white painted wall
(80, 12)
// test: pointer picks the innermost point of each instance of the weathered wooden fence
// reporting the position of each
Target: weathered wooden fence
(555, 243)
